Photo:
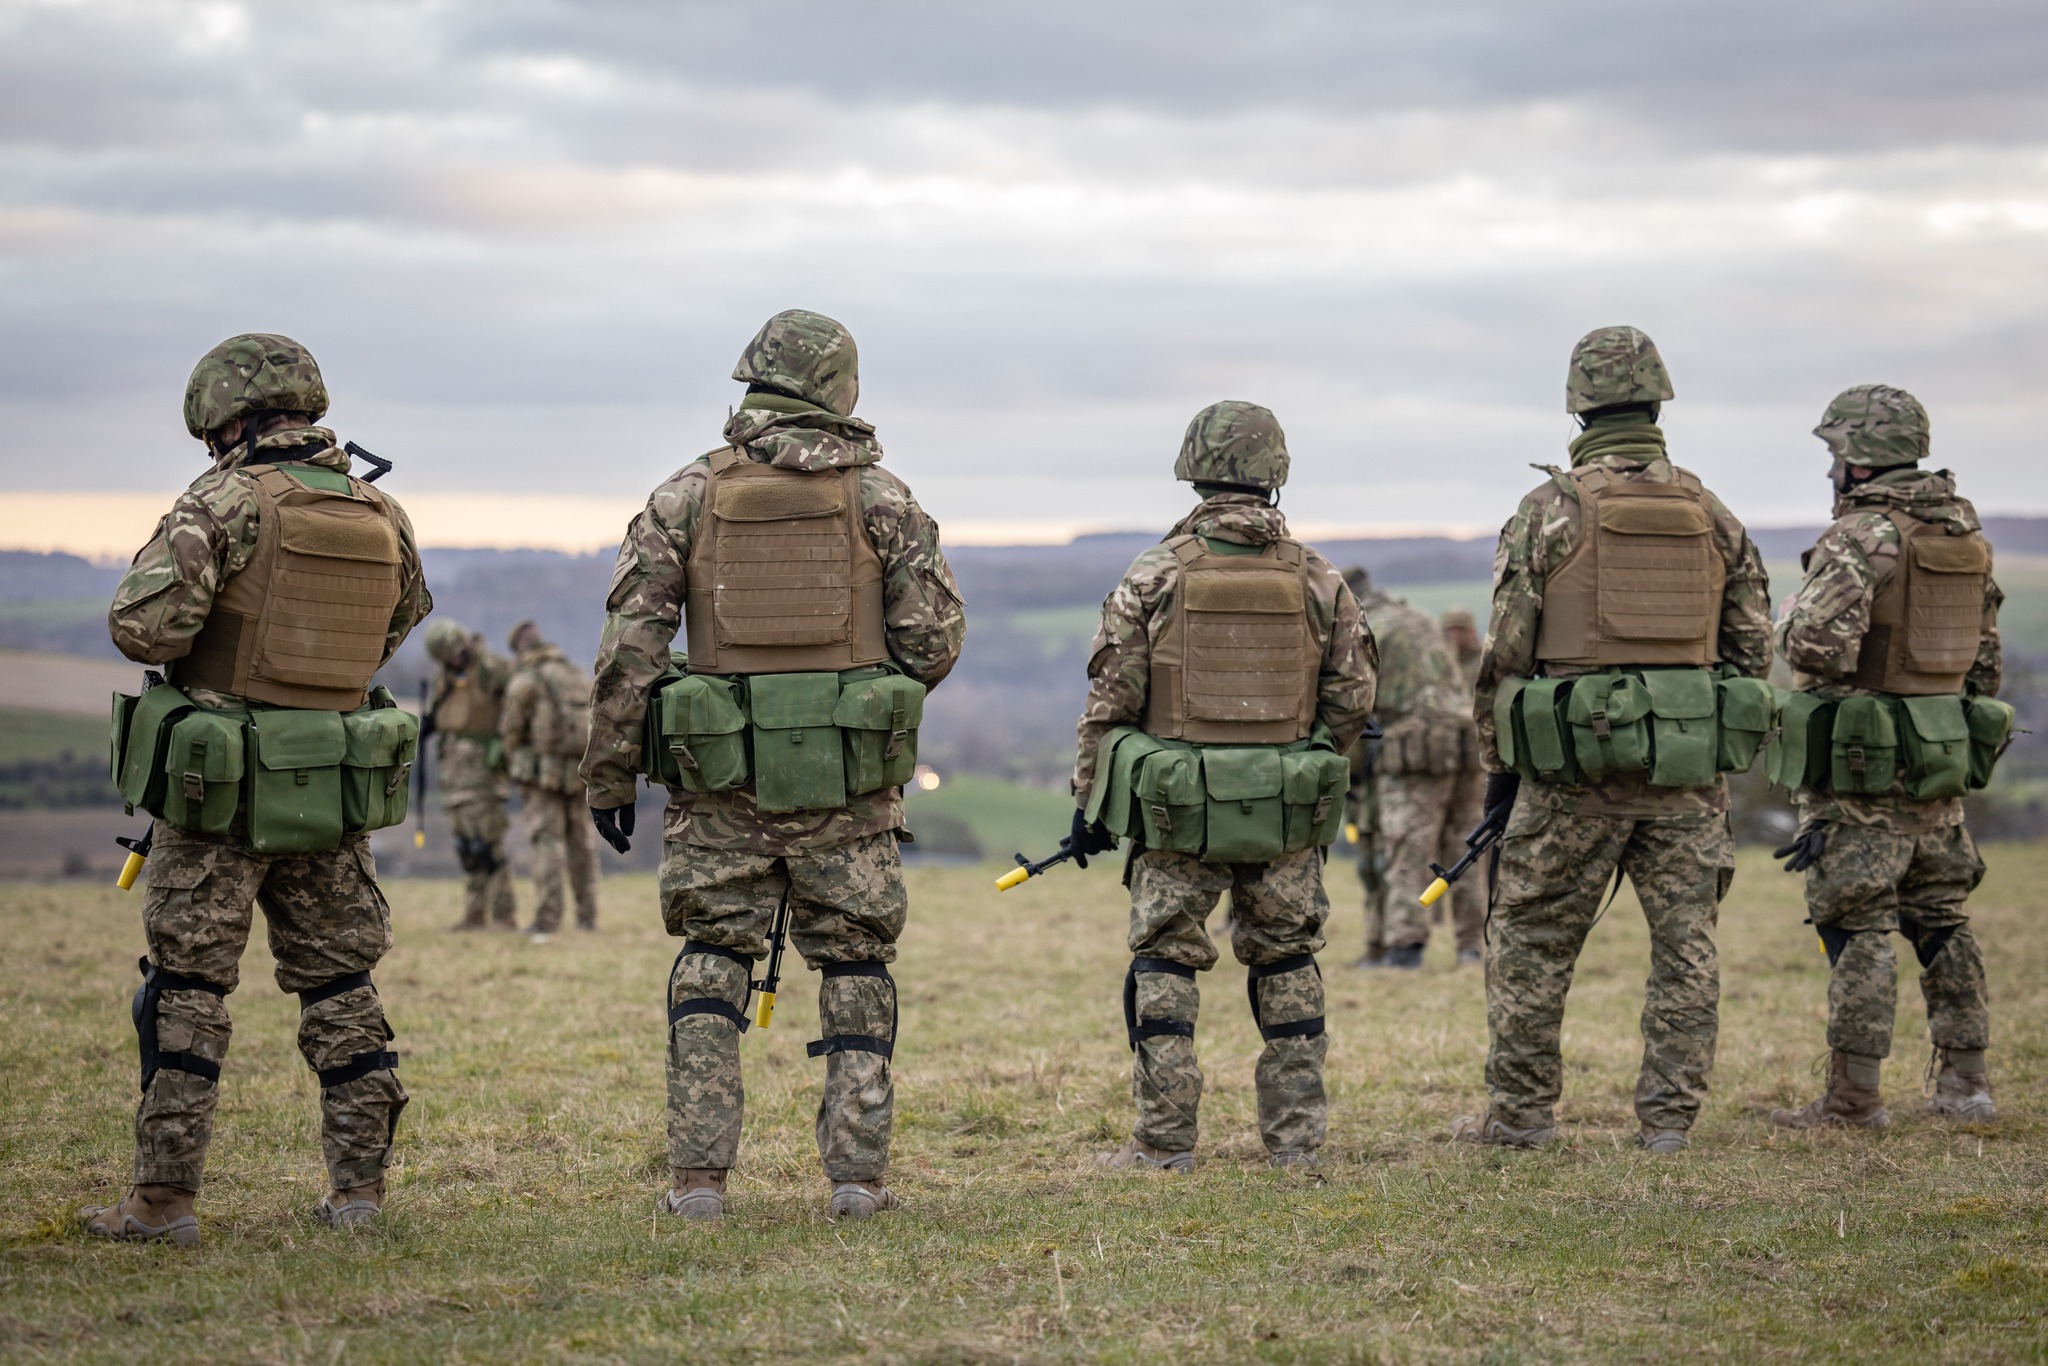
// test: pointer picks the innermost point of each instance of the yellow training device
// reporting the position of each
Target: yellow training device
(1351, 832)
(130, 870)
(419, 839)
(1012, 878)
(765, 1011)
(1435, 892)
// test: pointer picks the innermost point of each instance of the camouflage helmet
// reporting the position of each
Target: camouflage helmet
(1234, 443)
(447, 640)
(1875, 426)
(806, 354)
(255, 372)
(1358, 581)
(1458, 619)
(525, 628)
(1614, 365)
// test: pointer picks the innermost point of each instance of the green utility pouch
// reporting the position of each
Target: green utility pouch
(701, 740)
(1800, 753)
(1864, 749)
(380, 744)
(1683, 727)
(1609, 719)
(799, 763)
(1225, 804)
(203, 772)
(878, 714)
(1934, 743)
(1114, 799)
(1313, 788)
(1749, 717)
(655, 763)
(1170, 798)
(1534, 738)
(294, 767)
(142, 737)
(1247, 822)
(1991, 724)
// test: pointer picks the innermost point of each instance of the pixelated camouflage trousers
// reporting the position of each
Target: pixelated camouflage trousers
(1424, 818)
(486, 894)
(564, 850)
(847, 908)
(1870, 881)
(1555, 870)
(1277, 913)
(326, 920)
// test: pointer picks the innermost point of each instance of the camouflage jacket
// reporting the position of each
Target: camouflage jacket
(921, 607)
(1421, 704)
(1543, 531)
(1120, 668)
(470, 767)
(1821, 635)
(208, 537)
(546, 721)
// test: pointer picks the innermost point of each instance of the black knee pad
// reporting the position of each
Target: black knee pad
(364, 1063)
(709, 1005)
(1293, 1029)
(1927, 942)
(1834, 940)
(475, 854)
(155, 982)
(1151, 1028)
(859, 1043)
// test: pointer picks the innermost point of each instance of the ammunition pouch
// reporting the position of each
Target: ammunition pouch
(858, 1043)
(1293, 1029)
(1140, 1030)
(1926, 747)
(1680, 727)
(297, 780)
(807, 741)
(1222, 803)
(155, 982)
(1991, 734)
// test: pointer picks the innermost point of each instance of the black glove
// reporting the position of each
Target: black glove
(614, 824)
(1805, 849)
(1500, 793)
(1086, 839)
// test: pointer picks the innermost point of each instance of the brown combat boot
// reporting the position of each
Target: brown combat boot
(695, 1193)
(1962, 1087)
(861, 1199)
(1851, 1100)
(1138, 1155)
(355, 1207)
(1495, 1133)
(147, 1214)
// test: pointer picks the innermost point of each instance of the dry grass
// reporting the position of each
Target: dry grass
(522, 1221)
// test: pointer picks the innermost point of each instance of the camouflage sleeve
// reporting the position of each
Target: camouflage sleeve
(1120, 664)
(1823, 632)
(515, 718)
(1519, 567)
(1987, 674)
(643, 612)
(1745, 637)
(414, 601)
(164, 598)
(1350, 669)
(920, 601)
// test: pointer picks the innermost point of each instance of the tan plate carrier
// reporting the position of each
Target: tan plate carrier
(1926, 619)
(1643, 585)
(1237, 663)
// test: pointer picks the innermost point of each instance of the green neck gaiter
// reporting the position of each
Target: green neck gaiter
(1628, 436)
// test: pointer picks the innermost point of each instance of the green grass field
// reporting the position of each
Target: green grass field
(40, 735)
(1006, 818)
(521, 1225)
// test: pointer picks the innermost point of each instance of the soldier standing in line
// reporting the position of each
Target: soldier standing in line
(1468, 792)
(1619, 587)
(469, 761)
(814, 596)
(272, 592)
(1898, 606)
(1424, 739)
(1362, 816)
(545, 728)
(1229, 676)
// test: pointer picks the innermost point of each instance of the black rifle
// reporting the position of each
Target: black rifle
(383, 466)
(778, 937)
(419, 769)
(1488, 834)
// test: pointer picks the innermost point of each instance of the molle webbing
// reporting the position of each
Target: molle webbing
(782, 576)
(1926, 618)
(304, 623)
(464, 708)
(1644, 583)
(1237, 661)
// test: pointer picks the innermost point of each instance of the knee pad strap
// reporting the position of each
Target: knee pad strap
(327, 991)
(155, 982)
(1294, 1029)
(859, 1043)
(1153, 1028)
(710, 1005)
(356, 1068)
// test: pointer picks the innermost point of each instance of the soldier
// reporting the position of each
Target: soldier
(1898, 605)
(272, 591)
(469, 760)
(1627, 580)
(545, 729)
(1226, 642)
(1468, 793)
(1362, 816)
(739, 545)
(1423, 742)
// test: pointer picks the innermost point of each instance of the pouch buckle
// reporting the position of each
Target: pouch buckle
(683, 755)
(1600, 726)
(398, 777)
(1162, 815)
(895, 745)
(195, 787)
(1856, 761)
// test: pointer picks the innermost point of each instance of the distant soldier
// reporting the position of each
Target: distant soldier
(1423, 743)
(1624, 592)
(1229, 676)
(1468, 792)
(469, 763)
(272, 592)
(545, 728)
(1895, 626)
(818, 608)
(1362, 817)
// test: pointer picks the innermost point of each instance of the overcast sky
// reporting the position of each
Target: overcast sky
(527, 240)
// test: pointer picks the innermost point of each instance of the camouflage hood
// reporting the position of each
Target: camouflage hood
(274, 445)
(796, 435)
(1927, 495)
(1241, 518)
